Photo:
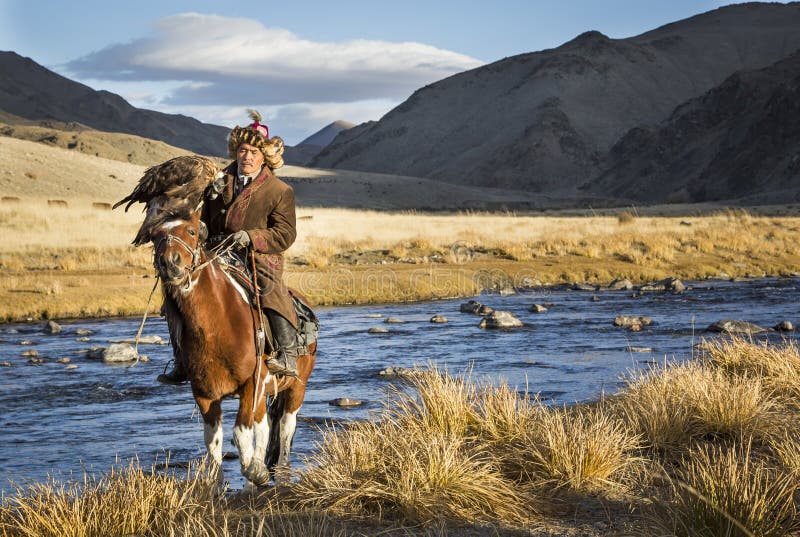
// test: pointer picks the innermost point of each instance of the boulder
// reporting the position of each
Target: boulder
(537, 308)
(71, 366)
(473, 306)
(438, 319)
(784, 326)
(378, 330)
(673, 285)
(144, 340)
(64, 360)
(118, 352)
(630, 348)
(83, 339)
(345, 402)
(399, 372)
(52, 327)
(393, 320)
(5, 364)
(500, 319)
(632, 320)
(583, 287)
(620, 285)
(732, 326)
(32, 353)
(83, 332)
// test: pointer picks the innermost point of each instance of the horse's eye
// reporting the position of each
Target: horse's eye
(192, 233)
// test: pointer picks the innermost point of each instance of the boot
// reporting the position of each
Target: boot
(285, 336)
(176, 376)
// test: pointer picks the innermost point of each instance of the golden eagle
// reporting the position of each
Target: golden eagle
(173, 189)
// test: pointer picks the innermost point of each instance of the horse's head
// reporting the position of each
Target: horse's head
(177, 248)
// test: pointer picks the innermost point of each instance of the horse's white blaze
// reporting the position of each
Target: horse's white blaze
(243, 439)
(288, 426)
(239, 288)
(171, 224)
(212, 434)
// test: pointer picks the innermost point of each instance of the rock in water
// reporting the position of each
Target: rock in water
(345, 402)
(394, 371)
(119, 352)
(630, 320)
(393, 320)
(52, 327)
(438, 319)
(473, 306)
(619, 285)
(537, 308)
(500, 319)
(731, 326)
(784, 326)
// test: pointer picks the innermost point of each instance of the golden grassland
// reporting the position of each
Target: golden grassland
(702, 448)
(76, 261)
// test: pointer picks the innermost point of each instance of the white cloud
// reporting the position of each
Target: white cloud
(234, 61)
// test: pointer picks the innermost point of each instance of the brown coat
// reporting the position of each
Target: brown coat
(265, 209)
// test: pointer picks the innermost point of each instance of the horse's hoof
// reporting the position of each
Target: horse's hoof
(257, 474)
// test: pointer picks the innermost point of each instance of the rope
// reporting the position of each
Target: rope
(144, 318)
(259, 350)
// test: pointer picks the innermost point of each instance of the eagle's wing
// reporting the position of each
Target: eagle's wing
(173, 189)
(184, 177)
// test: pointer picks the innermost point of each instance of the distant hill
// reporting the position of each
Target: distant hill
(739, 140)
(305, 151)
(33, 92)
(545, 121)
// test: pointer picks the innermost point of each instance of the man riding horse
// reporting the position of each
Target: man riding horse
(257, 211)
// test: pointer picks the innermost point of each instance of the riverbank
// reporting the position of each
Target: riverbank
(706, 447)
(68, 262)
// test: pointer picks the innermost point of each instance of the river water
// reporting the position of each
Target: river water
(61, 422)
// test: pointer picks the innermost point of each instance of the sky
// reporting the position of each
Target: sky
(301, 64)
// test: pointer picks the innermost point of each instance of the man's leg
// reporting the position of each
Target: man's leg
(175, 376)
(285, 361)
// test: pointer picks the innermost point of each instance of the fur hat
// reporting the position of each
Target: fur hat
(257, 135)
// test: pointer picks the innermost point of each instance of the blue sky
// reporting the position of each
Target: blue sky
(302, 64)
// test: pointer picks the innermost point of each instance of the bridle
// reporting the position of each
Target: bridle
(194, 252)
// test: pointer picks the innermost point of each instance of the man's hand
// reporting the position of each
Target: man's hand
(241, 238)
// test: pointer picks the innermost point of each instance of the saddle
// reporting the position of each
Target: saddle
(307, 321)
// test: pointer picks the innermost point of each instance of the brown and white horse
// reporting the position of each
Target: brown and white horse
(213, 328)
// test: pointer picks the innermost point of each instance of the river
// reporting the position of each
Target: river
(60, 421)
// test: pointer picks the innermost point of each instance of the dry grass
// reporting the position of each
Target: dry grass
(446, 452)
(727, 490)
(350, 256)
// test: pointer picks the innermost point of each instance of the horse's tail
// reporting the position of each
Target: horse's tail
(277, 407)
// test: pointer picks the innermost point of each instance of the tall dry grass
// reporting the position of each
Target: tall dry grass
(723, 459)
(727, 490)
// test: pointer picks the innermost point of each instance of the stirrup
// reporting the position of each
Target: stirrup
(176, 377)
(278, 364)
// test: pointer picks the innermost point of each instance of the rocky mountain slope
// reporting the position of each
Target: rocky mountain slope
(545, 121)
(30, 91)
(302, 153)
(739, 140)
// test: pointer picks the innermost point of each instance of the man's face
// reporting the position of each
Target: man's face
(249, 159)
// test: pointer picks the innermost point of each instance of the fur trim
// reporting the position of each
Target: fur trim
(271, 148)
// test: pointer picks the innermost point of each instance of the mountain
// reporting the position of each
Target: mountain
(739, 140)
(305, 151)
(545, 121)
(30, 91)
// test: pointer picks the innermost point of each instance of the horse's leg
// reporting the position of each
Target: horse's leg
(212, 434)
(249, 428)
(283, 412)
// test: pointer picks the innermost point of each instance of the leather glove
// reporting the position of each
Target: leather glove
(241, 238)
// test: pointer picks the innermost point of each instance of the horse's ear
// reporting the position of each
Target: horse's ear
(203, 231)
